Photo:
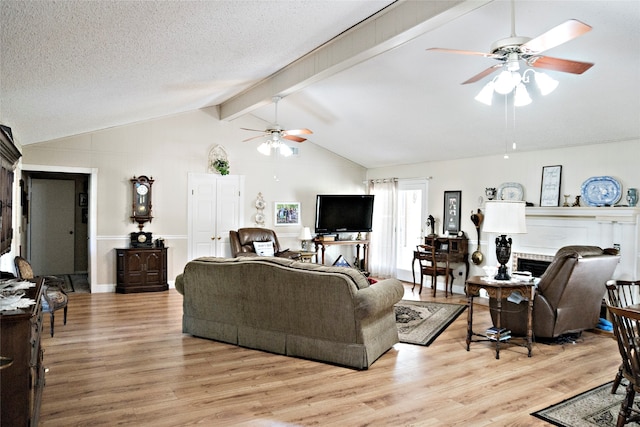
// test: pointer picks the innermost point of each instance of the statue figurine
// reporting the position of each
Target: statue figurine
(576, 204)
(431, 222)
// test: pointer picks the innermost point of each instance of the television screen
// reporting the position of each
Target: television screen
(342, 213)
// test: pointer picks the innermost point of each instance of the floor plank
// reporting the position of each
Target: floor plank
(123, 360)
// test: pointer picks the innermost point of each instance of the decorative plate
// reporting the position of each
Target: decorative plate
(601, 191)
(511, 191)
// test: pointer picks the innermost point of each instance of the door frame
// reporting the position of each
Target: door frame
(415, 184)
(92, 223)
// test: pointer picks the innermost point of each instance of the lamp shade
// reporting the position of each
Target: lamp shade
(305, 234)
(504, 217)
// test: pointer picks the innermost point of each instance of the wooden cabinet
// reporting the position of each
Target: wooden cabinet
(22, 382)
(457, 247)
(141, 270)
(9, 155)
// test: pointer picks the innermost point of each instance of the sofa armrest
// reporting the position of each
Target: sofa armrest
(378, 297)
(180, 284)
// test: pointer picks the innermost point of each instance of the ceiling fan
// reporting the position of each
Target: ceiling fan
(511, 50)
(276, 134)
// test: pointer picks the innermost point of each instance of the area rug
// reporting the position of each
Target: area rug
(420, 322)
(80, 283)
(595, 407)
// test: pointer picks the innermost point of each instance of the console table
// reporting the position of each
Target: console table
(141, 270)
(498, 289)
(458, 249)
(322, 244)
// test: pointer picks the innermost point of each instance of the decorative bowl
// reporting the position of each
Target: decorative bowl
(490, 271)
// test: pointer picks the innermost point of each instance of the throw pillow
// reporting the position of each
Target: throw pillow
(264, 248)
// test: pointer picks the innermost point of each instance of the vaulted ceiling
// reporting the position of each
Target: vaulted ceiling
(355, 72)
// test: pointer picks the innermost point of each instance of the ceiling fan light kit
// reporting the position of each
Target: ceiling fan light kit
(513, 50)
(277, 135)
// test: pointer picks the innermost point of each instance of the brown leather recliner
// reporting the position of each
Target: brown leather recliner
(242, 242)
(569, 296)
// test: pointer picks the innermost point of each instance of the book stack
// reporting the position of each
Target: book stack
(493, 333)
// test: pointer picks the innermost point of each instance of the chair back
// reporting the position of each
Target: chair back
(622, 293)
(625, 326)
(23, 268)
(242, 240)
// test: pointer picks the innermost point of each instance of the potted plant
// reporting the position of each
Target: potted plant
(221, 165)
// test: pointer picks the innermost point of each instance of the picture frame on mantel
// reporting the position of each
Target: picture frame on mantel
(451, 223)
(550, 186)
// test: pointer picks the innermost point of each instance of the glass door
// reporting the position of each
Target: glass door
(411, 217)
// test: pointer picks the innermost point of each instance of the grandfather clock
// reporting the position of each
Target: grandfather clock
(141, 267)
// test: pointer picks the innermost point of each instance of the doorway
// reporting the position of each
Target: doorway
(56, 225)
(411, 217)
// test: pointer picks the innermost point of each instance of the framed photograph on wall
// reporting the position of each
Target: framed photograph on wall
(287, 213)
(451, 222)
(550, 186)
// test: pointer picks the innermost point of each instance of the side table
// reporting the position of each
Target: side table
(498, 289)
(306, 256)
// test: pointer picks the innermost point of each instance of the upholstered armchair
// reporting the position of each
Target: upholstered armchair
(242, 242)
(569, 296)
(53, 296)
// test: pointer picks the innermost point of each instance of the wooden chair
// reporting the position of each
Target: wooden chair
(53, 295)
(434, 262)
(622, 293)
(626, 328)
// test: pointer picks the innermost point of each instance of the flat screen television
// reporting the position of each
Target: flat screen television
(343, 213)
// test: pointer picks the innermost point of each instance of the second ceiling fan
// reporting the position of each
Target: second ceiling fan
(276, 135)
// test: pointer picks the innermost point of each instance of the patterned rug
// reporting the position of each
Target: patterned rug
(420, 322)
(595, 407)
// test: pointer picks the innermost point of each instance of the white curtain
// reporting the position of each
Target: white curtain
(383, 247)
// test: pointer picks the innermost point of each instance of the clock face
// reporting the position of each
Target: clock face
(142, 237)
(142, 189)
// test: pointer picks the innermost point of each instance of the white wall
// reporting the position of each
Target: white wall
(167, 149)
(472, 176)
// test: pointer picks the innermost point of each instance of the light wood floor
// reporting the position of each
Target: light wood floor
(123, 360)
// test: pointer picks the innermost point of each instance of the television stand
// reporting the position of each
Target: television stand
(322, 244)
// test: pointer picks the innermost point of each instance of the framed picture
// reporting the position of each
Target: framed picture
(287, 213)
(341, 262)
(550, 186)
(451, 223)
(83, 200)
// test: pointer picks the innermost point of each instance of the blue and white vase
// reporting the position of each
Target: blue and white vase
(632, 197)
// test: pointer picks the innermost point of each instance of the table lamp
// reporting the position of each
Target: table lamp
(305, 236)
(504, 217)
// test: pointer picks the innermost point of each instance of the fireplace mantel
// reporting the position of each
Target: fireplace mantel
(611, 214)
(549, 229)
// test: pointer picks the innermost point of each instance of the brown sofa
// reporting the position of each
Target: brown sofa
(569, 296)
(331, 314)
(242, 242)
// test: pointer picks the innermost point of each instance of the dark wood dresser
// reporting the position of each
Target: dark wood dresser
(141, 270)
(22, 382)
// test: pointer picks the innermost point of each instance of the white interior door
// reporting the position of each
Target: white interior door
(52, 210)
(214, 209)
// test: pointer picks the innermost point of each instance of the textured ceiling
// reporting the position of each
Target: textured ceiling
(69, 67)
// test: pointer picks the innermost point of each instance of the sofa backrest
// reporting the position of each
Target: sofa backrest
(233, 291)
